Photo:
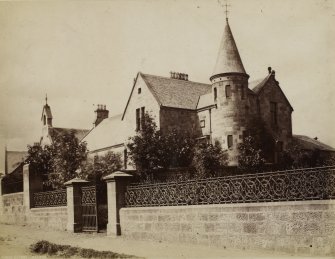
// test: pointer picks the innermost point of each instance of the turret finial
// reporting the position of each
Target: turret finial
(225, 5)
(46, 99)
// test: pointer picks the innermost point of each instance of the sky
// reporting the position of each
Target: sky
(84, 53)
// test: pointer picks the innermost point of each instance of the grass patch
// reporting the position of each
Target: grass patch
(44, 247)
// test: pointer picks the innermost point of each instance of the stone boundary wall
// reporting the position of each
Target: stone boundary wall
(297, 227)
(52, 218)
(13, 211)
(12, 208)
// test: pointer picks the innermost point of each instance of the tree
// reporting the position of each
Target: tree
(40, 158)
(151, 149)
(258, 147)
(251, 156)
(67, 156)
(208, 159)
(93, 169)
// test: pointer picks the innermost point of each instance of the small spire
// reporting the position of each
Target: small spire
(46, 99)
(228, 59)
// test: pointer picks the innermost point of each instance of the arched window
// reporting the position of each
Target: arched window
(215, 93)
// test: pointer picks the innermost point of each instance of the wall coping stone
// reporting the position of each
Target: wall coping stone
(12, 194)
(116, 174)
(233, 205)
(75, 180)
(49, 208)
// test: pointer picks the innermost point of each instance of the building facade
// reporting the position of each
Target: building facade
(217, 111)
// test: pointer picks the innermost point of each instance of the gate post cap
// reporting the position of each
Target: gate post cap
(75, 180)
(117, 174)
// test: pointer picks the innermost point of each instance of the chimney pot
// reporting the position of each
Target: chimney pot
(186, 77)
(102, 113)
(269, 69)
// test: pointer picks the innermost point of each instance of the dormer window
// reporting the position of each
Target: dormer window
(228, 91)
(139, 90)
(215, 94)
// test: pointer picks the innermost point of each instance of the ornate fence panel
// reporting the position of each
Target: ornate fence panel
(89, 208)
(50, 199)
(302, 184)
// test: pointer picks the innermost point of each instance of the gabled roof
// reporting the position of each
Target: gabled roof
(47, 110)
(14, 159)
(110, 132)
(205, 100)
(228, 59)
(312, 144)
(175, 93)
(79, 133)
(258, 85)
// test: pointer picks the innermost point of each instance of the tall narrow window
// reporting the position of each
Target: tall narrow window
(242, 92)
(44, 120)
(215, 93)
(142, 117)
(228, 91)
(138, 119)
(230, 141)
(273, 112)
(125, 158)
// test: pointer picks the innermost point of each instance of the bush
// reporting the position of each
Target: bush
(45, 247)
(208, 159)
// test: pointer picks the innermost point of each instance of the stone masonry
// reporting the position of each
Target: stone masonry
(300, 227)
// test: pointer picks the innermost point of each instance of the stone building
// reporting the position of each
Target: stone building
(219, 111)
(49, 132)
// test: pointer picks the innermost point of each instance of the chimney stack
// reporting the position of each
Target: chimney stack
(102, 113)
(180, 76)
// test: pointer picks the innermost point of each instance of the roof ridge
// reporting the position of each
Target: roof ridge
(166, 77)
(67, 128)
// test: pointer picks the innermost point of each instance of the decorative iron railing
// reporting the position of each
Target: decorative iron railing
(302, 184)
(50, 199)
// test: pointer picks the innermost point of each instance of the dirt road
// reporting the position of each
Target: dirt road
(15, 242)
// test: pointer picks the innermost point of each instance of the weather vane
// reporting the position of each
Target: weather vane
(225, 5)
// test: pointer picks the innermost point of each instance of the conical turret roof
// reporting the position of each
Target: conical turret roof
(228, 59)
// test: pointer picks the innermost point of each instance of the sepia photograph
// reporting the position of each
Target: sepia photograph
(167, 129)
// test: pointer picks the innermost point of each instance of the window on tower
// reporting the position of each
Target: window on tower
(228, 91)
(242, 92)
(215, 94)
(44, 120)
(230, 141)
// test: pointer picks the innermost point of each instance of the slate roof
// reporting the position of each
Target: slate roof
(228, 59)
(108, 133)
(176, 93)
(79, 133)
(258, 84)
(312, 144)
(205, 100)
(14, 159)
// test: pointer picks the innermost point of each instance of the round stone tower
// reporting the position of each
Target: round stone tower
(230, 93)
